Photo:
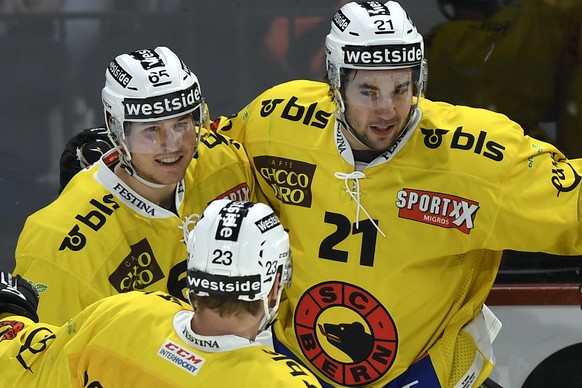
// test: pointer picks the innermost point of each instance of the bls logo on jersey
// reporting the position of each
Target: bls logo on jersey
(444, 210)
(290, 179)
(346, 333)
(433, 138)
(138, 270)
(292, 111)
(94, 219)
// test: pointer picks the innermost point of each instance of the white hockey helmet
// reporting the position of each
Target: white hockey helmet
(149, 85)
(372, 36)
(235, 250)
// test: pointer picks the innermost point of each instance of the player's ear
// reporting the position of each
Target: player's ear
(274, 293)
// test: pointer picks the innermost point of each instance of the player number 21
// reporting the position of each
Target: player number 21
(344, 228)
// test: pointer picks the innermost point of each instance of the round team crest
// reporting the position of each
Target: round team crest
(345, 333)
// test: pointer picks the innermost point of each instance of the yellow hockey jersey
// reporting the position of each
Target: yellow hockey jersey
(392, 262)
(100, 237)
(141, 340)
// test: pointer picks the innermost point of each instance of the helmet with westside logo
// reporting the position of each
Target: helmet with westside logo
(235, 251)
(372, 36)
(148, 85)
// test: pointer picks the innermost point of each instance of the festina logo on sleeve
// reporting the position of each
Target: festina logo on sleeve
(440, 209)
(392, 54)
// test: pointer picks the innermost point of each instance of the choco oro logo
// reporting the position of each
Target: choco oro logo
(345, 333)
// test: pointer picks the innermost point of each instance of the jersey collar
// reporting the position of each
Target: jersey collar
(220, 343)
(106, 177)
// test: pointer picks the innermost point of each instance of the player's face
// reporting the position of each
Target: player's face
(162, 150)
(378, 103)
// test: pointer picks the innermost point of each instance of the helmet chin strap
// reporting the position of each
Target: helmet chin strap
(270, 312)
(131, 171)
(341, 117)
(343, 121)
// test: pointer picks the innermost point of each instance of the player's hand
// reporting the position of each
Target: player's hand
(18, 296)
(82, 150)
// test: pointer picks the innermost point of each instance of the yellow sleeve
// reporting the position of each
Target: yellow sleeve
(22, 345)
(226, 161)
(548, 205)
(64, 285)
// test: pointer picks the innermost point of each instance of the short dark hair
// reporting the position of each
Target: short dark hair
(226, 306)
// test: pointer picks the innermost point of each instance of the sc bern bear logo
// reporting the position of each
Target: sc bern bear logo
(345, 333)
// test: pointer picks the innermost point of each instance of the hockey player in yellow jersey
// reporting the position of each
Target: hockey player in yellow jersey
(239, 262)
(398, 209)
(114, 228)
(488, 47)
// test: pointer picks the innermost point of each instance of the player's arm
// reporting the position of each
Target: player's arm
(229, 161)
(64, 293)
(233, 126)
(548, 204)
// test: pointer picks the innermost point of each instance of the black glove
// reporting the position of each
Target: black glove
(18, 296)
(82, 150)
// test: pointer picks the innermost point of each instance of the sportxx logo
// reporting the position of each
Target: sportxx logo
(94, 220)
(290, 179)
(440, 209)
(238, 193)
(346, 333)
(433, 138)
(138, 270)
(292, 111)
